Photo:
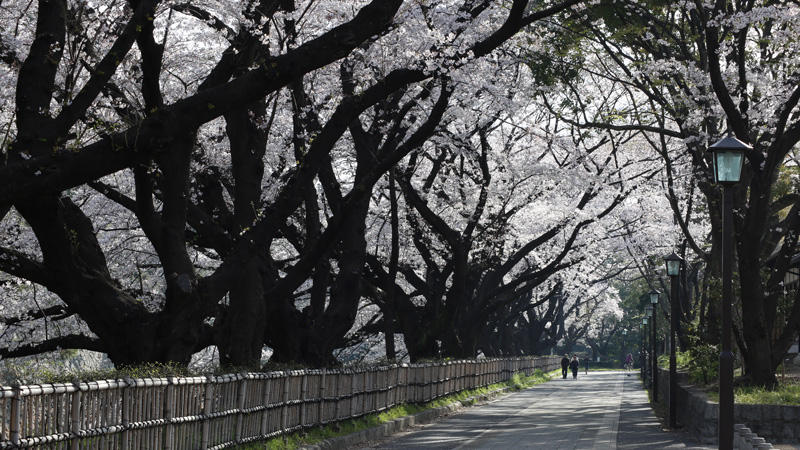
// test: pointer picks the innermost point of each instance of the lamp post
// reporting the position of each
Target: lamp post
(728, 158)
(624, 336)
(641, 350)
(674, 263)
(645, 347)
(648, 310)
(653, 303)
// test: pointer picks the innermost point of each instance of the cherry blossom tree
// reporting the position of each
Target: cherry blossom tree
(157, 157)
(687, 73)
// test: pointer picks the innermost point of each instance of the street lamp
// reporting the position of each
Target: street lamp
(648, 311)
(653, 303)
(625, 355)
(645, 347)
(728, 158)
(674, 263)
(641, 350)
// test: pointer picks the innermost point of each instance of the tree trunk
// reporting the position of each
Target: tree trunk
(758, 354)
(240, 334)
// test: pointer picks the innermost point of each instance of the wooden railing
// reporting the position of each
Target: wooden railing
(216, 412)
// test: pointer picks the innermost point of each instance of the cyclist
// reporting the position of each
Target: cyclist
(629, 362)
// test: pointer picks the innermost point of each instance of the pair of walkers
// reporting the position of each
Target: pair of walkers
(572, 365)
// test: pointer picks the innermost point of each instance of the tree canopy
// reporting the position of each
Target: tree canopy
(476, 177)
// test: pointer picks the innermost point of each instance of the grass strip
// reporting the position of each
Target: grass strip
(318, 434)
(783, 394)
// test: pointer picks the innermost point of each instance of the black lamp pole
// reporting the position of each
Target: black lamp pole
(624, 351)
(646, 363)
(653, 304)
(726, 355)
(674, 263)
(641, 351)
(648, 310)
(728, 158)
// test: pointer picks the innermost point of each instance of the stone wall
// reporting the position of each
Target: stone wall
(699, 416)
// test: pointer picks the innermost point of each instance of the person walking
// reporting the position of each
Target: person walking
(574, 366)
(564, 365)
(586, 365)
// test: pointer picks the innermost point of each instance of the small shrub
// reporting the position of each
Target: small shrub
(703, 364)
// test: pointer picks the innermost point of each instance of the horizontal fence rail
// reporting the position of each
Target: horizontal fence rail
(216, 412)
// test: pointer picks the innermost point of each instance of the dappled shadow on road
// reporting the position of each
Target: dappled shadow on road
(639, 428)
(561, 414)
(599, 410)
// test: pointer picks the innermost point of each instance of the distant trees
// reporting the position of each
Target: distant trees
(490, 227)
(685, 74)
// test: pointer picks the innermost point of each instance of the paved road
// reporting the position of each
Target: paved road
(601, 410)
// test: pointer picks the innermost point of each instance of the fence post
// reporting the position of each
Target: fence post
(426, 375)
(463, 375)
(433, 378)
(303, 391)
(448, 373)
(419, 384)
(365, 391)
(284, 406)
(16, 415)
(419, 380)
(386, 382)
(321, 408)
(169, 436)
(338, 375)
(473, 371)
(452, 378)
(396, 389)
(352, 393)
(75, 427)
(265, 414)
(389, 383)
(208, 400)
(440, 370)
(242, 379)
(438, 381)
(126, 413)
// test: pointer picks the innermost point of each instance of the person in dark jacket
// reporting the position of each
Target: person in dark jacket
(574, 366)
(564, 365)
(586, 365)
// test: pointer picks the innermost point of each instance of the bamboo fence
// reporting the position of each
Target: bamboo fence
(216, 412)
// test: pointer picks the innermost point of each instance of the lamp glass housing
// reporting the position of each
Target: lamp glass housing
(648, 310)
(673, 268)
(644, 320)
(728, 158)
(728, 165)
(654, 297)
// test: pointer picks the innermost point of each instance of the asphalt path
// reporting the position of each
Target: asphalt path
(598, 410)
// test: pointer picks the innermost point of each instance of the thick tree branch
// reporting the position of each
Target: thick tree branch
(55, 312)
(65, 169)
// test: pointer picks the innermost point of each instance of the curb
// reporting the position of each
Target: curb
(402, 423)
